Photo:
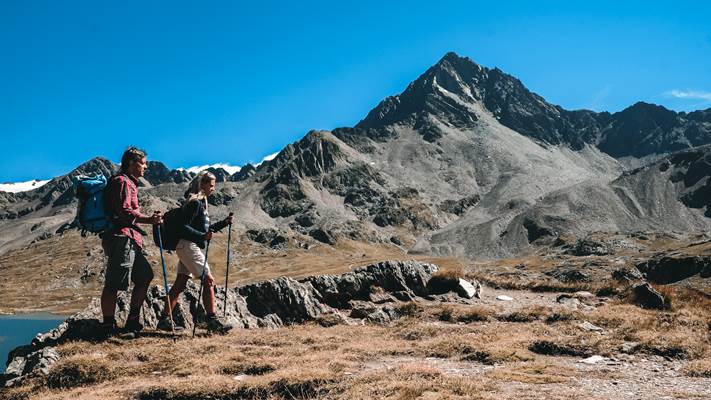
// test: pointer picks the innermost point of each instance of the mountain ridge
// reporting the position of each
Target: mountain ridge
(466, 160)
(528, 113)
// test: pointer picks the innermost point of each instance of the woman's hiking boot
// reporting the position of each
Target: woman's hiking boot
(214, 325)
(165, 324)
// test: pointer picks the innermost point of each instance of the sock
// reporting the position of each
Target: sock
(109, 320)
(211, 316)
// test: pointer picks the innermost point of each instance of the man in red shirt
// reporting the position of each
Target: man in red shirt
(123, 243)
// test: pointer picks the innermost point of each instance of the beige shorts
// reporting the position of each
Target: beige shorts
(191, 259)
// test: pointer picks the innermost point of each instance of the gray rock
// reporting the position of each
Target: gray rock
(630, 347)
(569, 274)
(589, 247)
(391, 276)
(667, 269)
(289, 299)
(468, 290)
(587, 326)
(646, 296)
(627, 275)
(34, 363)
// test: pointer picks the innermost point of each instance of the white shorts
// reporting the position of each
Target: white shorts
(191, 259)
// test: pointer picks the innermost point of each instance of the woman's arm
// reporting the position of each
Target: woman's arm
(189, 212)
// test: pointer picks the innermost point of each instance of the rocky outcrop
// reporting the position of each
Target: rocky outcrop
(647, 297)
(244, 173)
(268, 236)
(221, 175)
(157, 173)
(369, 293)
(625, 275)
(670, 269)
(404, 279)
(589, 247)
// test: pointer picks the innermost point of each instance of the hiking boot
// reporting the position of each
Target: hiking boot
(107, 330)
(133, 326)
(165, 324)
(217, 326)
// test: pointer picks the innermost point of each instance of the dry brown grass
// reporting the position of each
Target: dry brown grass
(437, 351)
(474, 352)
(547, 285)
(699, 368)
(679, 333)
(466, 314)
(80, 371)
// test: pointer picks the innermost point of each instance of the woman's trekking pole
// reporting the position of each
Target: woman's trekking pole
(202, 282)
(165, 279)
(227, 274)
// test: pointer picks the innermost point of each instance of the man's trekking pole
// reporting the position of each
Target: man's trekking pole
(165, 279)
(202, 282)
(227, 274)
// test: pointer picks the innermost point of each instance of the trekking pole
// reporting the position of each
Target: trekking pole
(227, 274)
(165, 280)
(202, 282)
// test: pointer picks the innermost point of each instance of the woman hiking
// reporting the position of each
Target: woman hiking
(196, 231)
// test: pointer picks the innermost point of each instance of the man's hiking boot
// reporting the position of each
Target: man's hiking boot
(214, 325)
(107, 330)
(165, 324)
(132, 326)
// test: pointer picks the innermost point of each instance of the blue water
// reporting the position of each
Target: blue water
(19, 329)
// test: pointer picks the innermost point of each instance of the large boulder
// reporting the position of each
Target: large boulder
(289, 301)
(648, 297)
(392, 276)
(31, 363)
(666, 269)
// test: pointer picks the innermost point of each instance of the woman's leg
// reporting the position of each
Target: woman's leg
(208, 298)
(178, 287)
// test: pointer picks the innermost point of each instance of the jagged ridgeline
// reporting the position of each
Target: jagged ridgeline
(465, 162)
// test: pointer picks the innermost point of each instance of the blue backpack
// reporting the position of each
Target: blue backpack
(91, 213)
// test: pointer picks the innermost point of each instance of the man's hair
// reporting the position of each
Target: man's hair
(131, 154)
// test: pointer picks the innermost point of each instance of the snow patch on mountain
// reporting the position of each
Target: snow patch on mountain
(267, 158)
(229, 168)
(21, 186)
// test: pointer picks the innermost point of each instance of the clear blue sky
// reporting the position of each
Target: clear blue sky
(235, 81)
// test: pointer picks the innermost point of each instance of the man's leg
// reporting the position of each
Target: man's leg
(108, 304)
(141, 275)
(108, 325)
(118, 266)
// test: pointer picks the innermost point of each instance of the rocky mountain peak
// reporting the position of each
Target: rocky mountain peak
(449, 91)
(97, 165)
(158, 173)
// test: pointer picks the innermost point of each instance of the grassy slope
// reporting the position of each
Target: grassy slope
(440, 351)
